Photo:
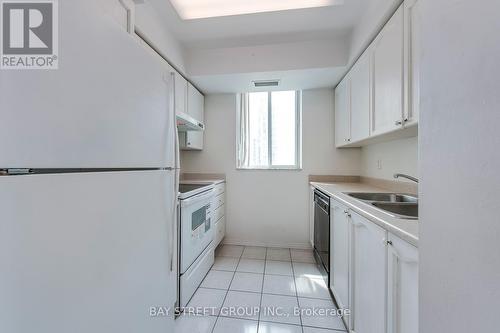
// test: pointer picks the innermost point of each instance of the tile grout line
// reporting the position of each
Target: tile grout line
(227, 291)
(272, 294)
(296, 294)
(262, 291)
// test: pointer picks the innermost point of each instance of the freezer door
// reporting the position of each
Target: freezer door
(86, 252)
(107, 106)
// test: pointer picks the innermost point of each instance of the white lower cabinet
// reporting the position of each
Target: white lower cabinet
(402, 291)
(339, 260)
(311, 216)
(373, 273)
(368, 276)
(219, 212)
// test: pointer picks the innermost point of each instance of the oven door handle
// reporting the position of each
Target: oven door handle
(196, 198)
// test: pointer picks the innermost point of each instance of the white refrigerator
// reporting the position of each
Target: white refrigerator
(88, 189)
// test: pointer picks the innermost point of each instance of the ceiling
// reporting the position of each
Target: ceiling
(304, 48)
(309, 23)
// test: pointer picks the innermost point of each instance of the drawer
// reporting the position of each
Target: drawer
(218, 201)
(220, 230)
(220, 188)
(218, 213)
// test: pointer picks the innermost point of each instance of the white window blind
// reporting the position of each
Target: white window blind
(269, 130)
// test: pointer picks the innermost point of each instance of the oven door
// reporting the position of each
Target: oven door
(196, 228)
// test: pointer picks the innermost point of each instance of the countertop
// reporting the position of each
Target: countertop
(202, 181)
(403, 228)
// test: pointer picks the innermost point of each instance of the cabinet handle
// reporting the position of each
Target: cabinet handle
(406, 120)
(346, 212)
(398, 122)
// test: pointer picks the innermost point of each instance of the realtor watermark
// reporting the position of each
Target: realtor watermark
(250, 311)
(29, 34)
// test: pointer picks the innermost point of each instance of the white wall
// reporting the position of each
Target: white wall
(269, 57)
(270, 207)
(376, 14)
(150, 23)
(459, 167)
(398, 156)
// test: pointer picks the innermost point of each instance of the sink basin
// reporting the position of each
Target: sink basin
(384, 197)
(399, 210)
(402, 206)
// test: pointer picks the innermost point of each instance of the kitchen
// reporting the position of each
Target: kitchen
(308, 166)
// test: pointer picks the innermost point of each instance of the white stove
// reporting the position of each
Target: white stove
(196, 234)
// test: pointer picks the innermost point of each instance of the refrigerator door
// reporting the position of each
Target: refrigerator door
(107, 106)
(86, 252)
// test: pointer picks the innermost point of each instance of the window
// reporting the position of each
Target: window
(269, 130)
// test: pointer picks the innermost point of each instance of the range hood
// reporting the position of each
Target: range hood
(187, 123)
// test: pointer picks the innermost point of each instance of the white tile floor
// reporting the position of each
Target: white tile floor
(247, 278)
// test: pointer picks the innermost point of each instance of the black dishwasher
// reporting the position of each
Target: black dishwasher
(322, 233)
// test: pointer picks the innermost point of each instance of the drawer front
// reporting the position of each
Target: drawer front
(220, 231)
(220, 188)
(218, 201)
(218, 213)
(193, 277)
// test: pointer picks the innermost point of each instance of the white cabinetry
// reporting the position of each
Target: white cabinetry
(193, 140)
(180, 88)
(412, 19)
(402, 292)
(373, 273)
(379, 97)
(342, 113)
(368, 276)
(339, 249)
(360, 98)
(311, 216)
(387, 111)
(219, 217)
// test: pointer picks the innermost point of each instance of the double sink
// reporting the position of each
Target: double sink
(403, 206)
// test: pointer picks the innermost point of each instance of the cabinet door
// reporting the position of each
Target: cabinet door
(368, 276)
(196, 109)
(412, 51)
(195, 102)
(360, 98)
(342, 113)
(402, 291)
(387, 112)
(339, 248)
(180, 87)
(311, 216)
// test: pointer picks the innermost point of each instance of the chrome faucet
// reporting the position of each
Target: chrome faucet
(402, 175)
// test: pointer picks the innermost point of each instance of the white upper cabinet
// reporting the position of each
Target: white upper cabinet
(180, 87)
(380, 94)
(368, 276)
(412, 52)
(342, 113)
(402, 291)
(193, 140)
(360, 98)
(195, 103)
(339, 258)
(387, 111)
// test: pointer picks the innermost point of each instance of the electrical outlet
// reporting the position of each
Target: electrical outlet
(379, 164)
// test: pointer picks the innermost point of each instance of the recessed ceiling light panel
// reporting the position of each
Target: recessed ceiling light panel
(196, 9)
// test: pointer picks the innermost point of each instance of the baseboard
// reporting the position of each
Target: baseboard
(234, 241)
